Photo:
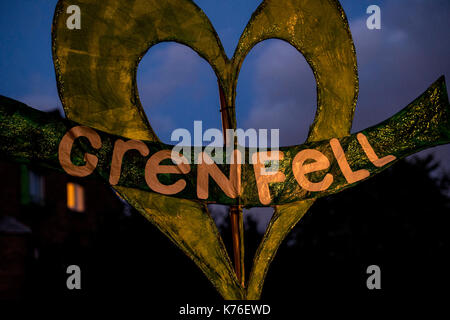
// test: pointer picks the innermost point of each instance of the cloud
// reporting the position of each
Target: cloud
(396, 64)
(284, 87)
(262, 217)
(41, 93)
(164, 70)
(42, 102)
(399, 62)
(174, 85)
(162, 123)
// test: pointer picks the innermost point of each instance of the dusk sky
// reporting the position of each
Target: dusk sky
(276, 87)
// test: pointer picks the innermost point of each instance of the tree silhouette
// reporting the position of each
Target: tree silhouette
(397, 220)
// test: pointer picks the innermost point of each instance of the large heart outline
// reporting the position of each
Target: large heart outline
(96, 73)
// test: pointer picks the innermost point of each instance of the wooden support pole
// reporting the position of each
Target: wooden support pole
(236, 216)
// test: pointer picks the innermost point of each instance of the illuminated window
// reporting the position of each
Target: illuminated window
(36, 187)
(75, 197)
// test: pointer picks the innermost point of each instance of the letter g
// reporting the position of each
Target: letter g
(65, 147)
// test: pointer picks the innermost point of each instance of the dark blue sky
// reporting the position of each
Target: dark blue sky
(276, 87)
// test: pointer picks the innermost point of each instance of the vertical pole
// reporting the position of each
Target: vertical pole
(236, 216)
